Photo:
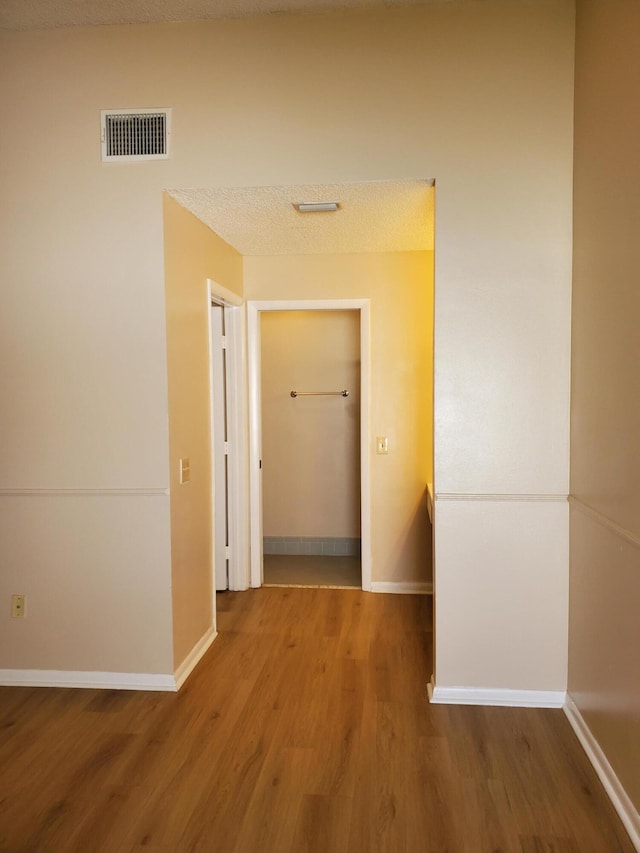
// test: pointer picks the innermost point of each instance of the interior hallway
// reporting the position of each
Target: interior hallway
(305, 728)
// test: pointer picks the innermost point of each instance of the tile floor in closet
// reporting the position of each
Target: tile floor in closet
(311, 570)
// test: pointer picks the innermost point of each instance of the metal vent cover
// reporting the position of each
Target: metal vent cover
(135, 134)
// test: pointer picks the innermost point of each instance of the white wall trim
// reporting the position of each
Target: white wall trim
(536, 498)
(612, 785)
(82, 493)
(222, 294)
(237, 426)
(109, 680)
(604, 521)
(212, 449)
(255, 446)
(364, 306)
(404, 587)
(194, 657)
(89, 680)
(254, 307)
(495, 696)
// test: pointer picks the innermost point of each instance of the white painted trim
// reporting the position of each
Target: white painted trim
(612, 785)
(220, 508)
(309, 304)
(109, 680)
(495, 696)
(604, 521)
(255, 489)
(237, 431)
(194, 657)
(311, 586)
(364, 306)
(527, 498)
(83, 493)
(255, 445)
(89, 680)
(406, 587)
(238, 436)
(212, 454)
(222, 295)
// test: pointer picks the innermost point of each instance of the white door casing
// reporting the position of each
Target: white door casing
(219, 448)
(236, 528)
(254, 308)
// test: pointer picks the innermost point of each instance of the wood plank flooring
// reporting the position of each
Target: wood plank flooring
(306, 729)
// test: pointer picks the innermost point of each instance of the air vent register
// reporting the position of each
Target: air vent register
(135, 134)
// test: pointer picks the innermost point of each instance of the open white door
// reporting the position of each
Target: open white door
(229, 438)
(220, 473)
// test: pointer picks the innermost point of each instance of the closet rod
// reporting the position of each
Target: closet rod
(344, 393)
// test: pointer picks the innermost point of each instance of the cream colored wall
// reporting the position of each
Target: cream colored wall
(502, 348)
(95, 569)
(310, 445)
(192, 253)
(604, 666)
(477, 95)
(400, 287)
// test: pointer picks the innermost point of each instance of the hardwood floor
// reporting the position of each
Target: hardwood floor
(305, 728)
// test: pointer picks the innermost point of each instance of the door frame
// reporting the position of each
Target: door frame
(220, 445)
(237, 433)
(254, 309)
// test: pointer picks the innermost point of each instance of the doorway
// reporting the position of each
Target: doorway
(310, 391)
(358, 311)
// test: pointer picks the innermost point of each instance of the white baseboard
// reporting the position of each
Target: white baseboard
(193, 658)
(90, 680)
(109, 680)
(495, 696)
(612, 785)
(405, 587)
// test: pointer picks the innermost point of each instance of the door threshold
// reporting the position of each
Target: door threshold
(311, 586)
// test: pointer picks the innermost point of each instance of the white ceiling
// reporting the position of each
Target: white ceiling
(378, 216)
(50, 14)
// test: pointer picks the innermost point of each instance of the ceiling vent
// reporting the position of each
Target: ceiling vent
(135, 134)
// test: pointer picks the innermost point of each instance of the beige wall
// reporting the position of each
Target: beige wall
(477, 95)
(310, 445)
(96, 571)
(192, 253)
(604, 665)
(400, 287)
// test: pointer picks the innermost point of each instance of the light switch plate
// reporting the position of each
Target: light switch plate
(17, 606)
(382, 444)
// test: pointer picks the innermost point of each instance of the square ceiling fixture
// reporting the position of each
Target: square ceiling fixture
(317, 206)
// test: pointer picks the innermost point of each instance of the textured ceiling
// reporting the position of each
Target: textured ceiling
(50, 14)
(380, 216)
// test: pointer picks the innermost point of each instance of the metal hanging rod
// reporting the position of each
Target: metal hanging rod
(344, 393)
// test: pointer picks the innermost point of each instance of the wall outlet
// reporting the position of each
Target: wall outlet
(17, 606)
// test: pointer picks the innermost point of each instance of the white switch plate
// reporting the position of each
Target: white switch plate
(382, 444)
